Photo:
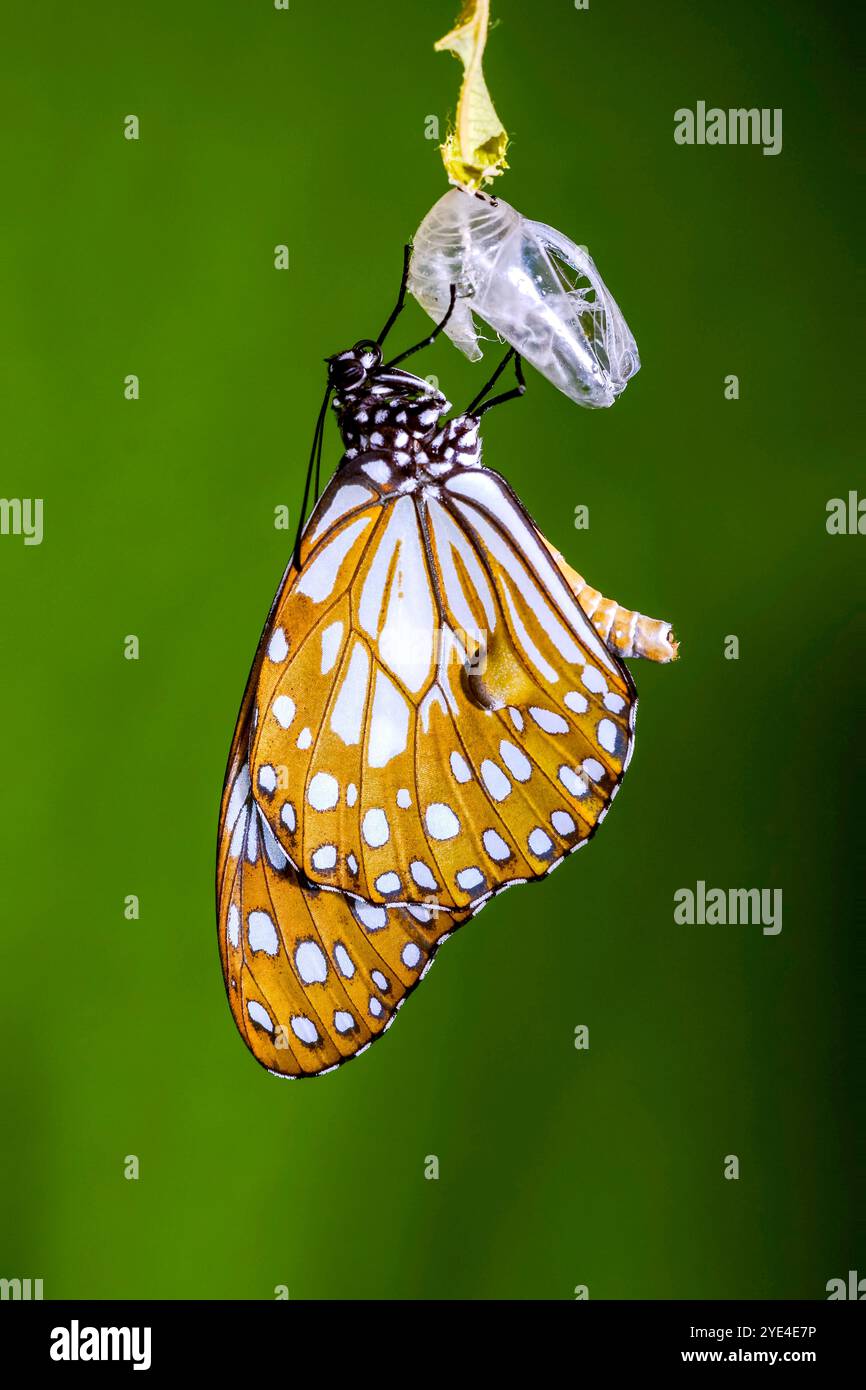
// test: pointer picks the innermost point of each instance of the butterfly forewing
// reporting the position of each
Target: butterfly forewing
(436, 717)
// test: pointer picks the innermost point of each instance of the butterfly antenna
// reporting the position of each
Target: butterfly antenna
(431, 338)
(315, 457)
(516, 391)
(401, 297)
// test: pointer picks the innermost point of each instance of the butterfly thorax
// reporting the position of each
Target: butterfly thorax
(389, 410)
(418, 465)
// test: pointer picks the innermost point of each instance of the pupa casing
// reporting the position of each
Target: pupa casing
(537, 289)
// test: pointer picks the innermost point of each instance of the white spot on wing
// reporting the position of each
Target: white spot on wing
(389, 722)
(441, 821)
(233, 929)
(433, 697)
(283, 710)
(262, 933)
(320, 574)
(377, 469)
(387, 883)
(593, 680)
(267, 778)
(375, 828)
(237, 840)
(274, 850)
(572, 781)
(607, 734)
(325, 857)
(331, 639)
(460, 768)
(346, 499)
(549, 720)
(323, 792)
(516, 761)
(495, 780)
(345, 964)
(347, 716)
(240, 792)
(311, 963)
(405, 643)
(422, 875)
(495, 846)
(372, 916)
(304, 1029)
(259, 1015)
(540, 842)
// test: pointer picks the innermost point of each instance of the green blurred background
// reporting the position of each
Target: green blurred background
(558, 1167)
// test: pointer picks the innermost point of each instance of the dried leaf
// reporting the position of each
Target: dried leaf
(474, 152)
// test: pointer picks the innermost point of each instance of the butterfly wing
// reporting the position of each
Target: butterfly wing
(436, 717)
(312, 978)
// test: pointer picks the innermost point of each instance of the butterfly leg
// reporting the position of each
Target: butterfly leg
(475, 408)
(431, 337)
(401, 297)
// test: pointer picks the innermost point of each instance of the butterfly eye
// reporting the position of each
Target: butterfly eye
(346, 373)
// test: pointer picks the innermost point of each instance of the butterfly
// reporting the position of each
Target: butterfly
(431, 717)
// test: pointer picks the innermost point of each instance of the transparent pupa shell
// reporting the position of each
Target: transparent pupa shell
(537, 289)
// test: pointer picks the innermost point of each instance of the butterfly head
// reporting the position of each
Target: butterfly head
(348, 371)
(378, 406)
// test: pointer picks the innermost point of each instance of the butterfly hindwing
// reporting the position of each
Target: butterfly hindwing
(312, 977)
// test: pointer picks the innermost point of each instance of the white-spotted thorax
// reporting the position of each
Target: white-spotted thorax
(392, 425)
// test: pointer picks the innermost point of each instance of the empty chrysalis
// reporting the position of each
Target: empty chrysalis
(538, 290)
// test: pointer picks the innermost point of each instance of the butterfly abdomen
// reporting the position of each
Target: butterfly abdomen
(625, 632)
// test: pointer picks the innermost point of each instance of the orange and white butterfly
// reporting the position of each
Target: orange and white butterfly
(431, 717)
